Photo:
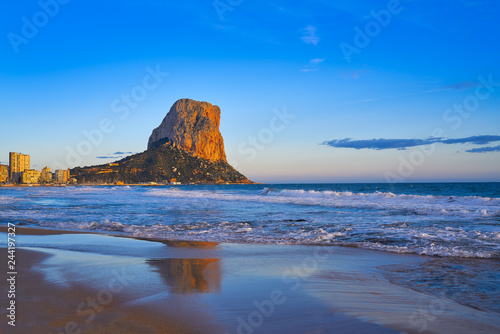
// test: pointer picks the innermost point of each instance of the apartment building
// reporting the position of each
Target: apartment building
(61, 175)
(46, 175)
(4, 173)
(31, 176)
(18, 163)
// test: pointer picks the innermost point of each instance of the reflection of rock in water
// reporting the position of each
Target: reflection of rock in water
(190, 275)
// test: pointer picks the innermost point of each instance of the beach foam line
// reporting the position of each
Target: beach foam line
(435, 242)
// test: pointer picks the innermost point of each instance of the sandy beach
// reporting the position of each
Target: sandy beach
(90, 283)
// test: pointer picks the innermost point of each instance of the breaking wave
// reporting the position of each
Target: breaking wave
(425, 224)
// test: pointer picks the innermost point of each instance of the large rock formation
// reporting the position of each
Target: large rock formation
(187, 147)
(194, 127)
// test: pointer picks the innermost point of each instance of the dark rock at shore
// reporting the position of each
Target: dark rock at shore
(163, 162)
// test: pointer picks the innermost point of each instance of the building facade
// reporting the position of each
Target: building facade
(46, 175)
(4, 173)
(31, 176)
(18, 163)
(61, 175)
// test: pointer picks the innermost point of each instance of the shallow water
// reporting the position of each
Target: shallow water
(471, 282)
(237, 288)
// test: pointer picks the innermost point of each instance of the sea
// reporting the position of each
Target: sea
(456, 226)
(437, 219)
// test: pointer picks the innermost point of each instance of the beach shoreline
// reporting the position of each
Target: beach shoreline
(196, 287)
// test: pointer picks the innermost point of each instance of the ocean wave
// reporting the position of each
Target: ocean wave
(105, 226)
(409, 204)
(9, 200)
(442, 242)
(440, 251)
(384, 197)
(458, 226)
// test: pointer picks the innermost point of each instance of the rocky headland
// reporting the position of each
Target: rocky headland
(186, 147)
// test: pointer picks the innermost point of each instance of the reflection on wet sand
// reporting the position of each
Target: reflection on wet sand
(186, 276)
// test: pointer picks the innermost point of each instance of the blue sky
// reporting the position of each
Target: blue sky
(293, 81)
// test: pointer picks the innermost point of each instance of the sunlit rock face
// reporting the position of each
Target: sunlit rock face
(192, 126)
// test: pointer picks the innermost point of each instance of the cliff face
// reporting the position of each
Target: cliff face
(194, 127)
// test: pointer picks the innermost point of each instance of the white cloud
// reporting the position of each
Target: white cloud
(313, 65)
(316, 60)
(309, 35)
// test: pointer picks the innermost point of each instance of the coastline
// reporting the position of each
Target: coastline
(121, 185)
(196, 287)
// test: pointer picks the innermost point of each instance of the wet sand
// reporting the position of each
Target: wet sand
(89, 283)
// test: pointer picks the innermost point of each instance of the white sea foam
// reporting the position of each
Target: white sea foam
(461, 226)
(106, 225)
(415, 204)
(10, 199)
(441, 251)
(453, 242)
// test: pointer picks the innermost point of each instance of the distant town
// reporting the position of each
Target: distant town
(19, 172)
